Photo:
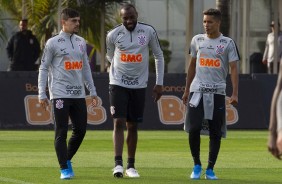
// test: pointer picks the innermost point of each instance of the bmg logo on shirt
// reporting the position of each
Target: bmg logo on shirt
(73, 65)
(209, 62)
(131, 58)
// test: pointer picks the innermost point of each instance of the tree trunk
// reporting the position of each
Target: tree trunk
(224, 7)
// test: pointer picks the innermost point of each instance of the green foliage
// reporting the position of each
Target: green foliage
(162, 157)
(43, 16)
(166, 52)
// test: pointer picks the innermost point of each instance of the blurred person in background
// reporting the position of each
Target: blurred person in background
(268, 56)
(23, 49)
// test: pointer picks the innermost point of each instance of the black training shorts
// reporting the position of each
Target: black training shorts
(127, 103)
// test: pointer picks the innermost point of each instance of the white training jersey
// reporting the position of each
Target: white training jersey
(212, 65)
(269, 47)
(65, 64)
(128, 53)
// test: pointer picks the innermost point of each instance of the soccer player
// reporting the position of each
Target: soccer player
(65, 64)
(211, 56)
(128, 52)
(275, 125)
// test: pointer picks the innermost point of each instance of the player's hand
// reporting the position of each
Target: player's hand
(94, 102)
(272, 148)
(44, 103)
(264, 61)
(185, 98)
(157, 92)
(233, 100)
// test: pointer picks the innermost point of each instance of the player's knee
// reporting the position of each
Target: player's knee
(132, 127)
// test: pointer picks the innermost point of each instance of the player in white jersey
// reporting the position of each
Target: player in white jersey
(211, 55)
(65, 64)
(128, 52)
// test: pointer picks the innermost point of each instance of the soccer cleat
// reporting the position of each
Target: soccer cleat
(70, 168)
(65, 174)
(210, 175)
(196, 174)
(132, 173)
(118, 171)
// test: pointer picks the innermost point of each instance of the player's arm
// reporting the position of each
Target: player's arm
(234, 80)
(264, 58)
(46, 60)
(10, 48)
(191, 72)
(88, 79)
(110, 47)
(159, 65)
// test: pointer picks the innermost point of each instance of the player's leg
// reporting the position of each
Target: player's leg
(279, 121)
(78, 116)
(118, 107)
(215, 126)
(195, 117)
(61, 114)
(135, 111)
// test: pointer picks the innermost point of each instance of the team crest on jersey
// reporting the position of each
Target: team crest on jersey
(141, 40)
(59, 104)
(220, 49)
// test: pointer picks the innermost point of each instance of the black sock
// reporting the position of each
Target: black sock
(130, 163)
(118, 160)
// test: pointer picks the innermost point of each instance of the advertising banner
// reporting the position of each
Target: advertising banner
(20, 108)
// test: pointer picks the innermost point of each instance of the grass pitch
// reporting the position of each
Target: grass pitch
(28, 157)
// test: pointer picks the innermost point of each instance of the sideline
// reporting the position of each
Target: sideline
(13, 181)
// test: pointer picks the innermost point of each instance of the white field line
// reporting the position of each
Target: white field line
(10, 180)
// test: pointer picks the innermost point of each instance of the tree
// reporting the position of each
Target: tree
(224, 7)
(43, 16)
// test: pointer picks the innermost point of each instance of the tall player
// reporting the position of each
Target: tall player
(211, 56)
(128, 52)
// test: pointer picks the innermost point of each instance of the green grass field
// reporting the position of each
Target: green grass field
(162, 157)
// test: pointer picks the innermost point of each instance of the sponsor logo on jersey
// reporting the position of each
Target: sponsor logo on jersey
(77, 39)
(73, 65)
(220, 49)
(131, 58)
(208, 88)
(141, 40)
(74, 90)
(121, 33)
(61, 40)
(223, 41)
(209, 62)
(141, 31)
(129, 80)
(210, 47)
(200, 39)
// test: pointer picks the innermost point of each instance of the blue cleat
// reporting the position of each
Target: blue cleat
(196, 174)
(210, 175)
(65, 174)
(70, 168)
